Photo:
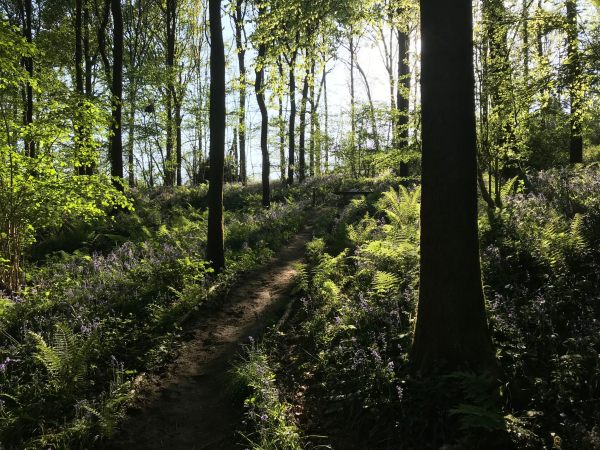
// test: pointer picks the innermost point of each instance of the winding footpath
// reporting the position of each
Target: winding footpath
(191, 407)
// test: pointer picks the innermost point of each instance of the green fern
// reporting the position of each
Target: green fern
(66, 359)
(510, 187)
(384, 282)
(402, 209)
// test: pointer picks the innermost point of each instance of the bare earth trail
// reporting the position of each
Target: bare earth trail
(190, 407)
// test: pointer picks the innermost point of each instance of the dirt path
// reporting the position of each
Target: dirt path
(190, 408)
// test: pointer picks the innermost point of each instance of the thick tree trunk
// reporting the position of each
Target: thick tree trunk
(403, 97)
(451, 331)
(215, 249)
(116, 140)
(241, 54)
(574, 74)
(264, 127)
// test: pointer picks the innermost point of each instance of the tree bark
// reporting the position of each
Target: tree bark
(326, 102)
(302, 141)
(313, 122)
(575, 74)
(352, 108)
(451, 331)
(27, 18)
(178, 142)
(215, 240)
(264, 128)
(403, 97)
(371, 107)
(116, 140)
(241, 54)
(292, 128)
(79, 86)
(281, 127)
(171, 23)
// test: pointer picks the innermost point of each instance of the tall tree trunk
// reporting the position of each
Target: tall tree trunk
(281, 127)
(313, 120)
(87, 52)
(353, 163)
(79, 87)
(79, 83)
(264, 127)
(499, 88)
(403, 97)
(131, 134)
(27, 18)
(302, 143)
(292, 129)
(525, 34)
(178, 142)
(171, 23)
(326, 101)
(215, 249)
(451, 331)
(575, 74)
(241, 54)
(116, 140)
(371, 108)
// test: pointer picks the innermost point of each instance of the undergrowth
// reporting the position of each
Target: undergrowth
(104, 305)
(347, 347)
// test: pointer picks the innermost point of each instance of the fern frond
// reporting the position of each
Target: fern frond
(384, 282)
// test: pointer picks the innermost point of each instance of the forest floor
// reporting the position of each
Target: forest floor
(191, 406)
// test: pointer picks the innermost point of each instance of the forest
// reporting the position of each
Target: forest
(297, 225)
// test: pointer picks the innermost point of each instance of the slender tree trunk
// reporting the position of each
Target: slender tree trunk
(292, 129)
(79, 87)
(264, 127)
(371, 108)
(241, 54)
(171, 23)
(79, 83)
(326, 101)
(27, 13)
(178, 142)
(131, 135)
(116, 140)
(499, 84)
(313, 120)
(90, 167)
(525, 32)
(353, 164)
(87, 52)
(451, 331)
(215, 249)
(281, 127)
(575, 75)
(302, 143)
(403, 97)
